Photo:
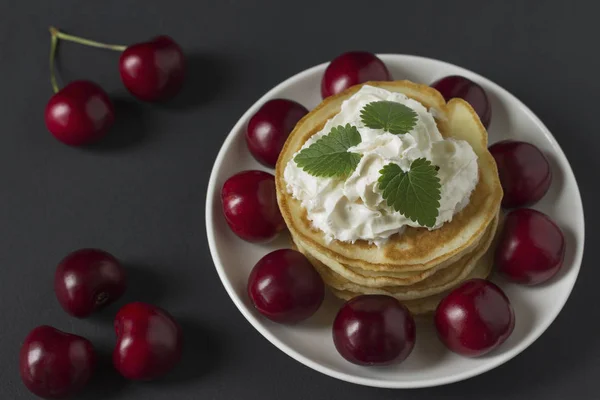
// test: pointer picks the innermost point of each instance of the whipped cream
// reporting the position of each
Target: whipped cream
(352, 209)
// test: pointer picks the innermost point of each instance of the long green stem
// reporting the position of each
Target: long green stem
(87, 42)
(55, 35)
(53, 45)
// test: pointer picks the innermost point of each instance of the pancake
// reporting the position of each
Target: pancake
(406, 287)
(416, 307)
(416, 249)
(436, 283)
(393, 278)
(428, 304)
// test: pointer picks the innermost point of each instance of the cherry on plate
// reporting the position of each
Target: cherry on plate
(531, 247)
(80, 113)
(474, 318)
(285, 287)
(352, 68)
(269, 128)
(374, 330)
(464, 88)
(149, 342)
(524, 172)
(250, 206)
(153, 70)
(55, 364)
(87, 280)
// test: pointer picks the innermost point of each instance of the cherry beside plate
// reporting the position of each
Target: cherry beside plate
(430, 363)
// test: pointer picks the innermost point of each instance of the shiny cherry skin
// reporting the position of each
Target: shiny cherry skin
(149, 342)
(153, 70)
(56, 364)
(524, 172)
(269, 128)
(374, 330)
(474, 318)
(531, 247)
(464, 88)
(285, 287)
(88, 280)
(250, 206)
(352, 68)
(80, 113)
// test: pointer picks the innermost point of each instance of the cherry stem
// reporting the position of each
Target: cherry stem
(70, 38)
(55, 35)
(53, 45)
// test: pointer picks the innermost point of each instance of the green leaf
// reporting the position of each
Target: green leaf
(329, 156)
(416, 193)
(390, 116)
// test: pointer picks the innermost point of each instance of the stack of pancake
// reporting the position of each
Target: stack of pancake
(418, 266)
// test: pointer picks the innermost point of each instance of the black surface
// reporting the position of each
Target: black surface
(141, 194)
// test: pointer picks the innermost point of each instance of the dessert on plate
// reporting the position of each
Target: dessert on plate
(388, 189)
(393, 201)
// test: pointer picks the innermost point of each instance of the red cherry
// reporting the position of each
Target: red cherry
(80, 113)
(55, 364)
(374, 330)
(531, 247)
(250, 206)
(464, 88)
(88, 280)
(153, 70)
(524, 172)
(149, 342)
(269, 128)
(474, 318)
(350, 69)
(285, 287)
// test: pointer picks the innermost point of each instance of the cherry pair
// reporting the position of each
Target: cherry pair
(82, 112)
(56, 364)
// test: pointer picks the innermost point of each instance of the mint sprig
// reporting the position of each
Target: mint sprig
(390, 116)
(329, 156)
(416, 193)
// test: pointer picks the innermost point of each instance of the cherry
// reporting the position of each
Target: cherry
(88, 280)
(524, 172)
(55, 364)
(149, 342)
(474, 318)
(285, 287)
(464, 88)
(79, 114)
(153, 70)
(269, 128)
(374, 330)
(531, 247)
(352, 68)
(250, 206)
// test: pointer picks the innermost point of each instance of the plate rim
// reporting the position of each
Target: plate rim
(429, 382)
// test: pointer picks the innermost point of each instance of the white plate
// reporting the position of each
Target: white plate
(430, 363)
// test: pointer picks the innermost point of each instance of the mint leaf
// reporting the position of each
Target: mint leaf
(416, 193)
(390, 116)
(329, 155)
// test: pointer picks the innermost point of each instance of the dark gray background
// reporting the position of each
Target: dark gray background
(141, 194)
